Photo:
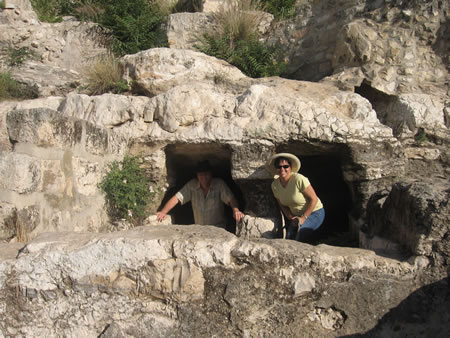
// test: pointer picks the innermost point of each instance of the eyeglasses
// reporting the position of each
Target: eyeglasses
(283, 166)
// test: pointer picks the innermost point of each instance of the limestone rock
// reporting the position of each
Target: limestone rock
(157, 70)
(255, 227)
(415, 216)
(214, 281)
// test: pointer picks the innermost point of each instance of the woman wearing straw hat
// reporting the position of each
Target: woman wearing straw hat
(303, 210)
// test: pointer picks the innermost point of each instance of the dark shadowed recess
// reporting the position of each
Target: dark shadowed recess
(321, 164)
(424, 313)
(181, 161)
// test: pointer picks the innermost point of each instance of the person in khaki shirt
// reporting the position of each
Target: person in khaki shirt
(208, 196)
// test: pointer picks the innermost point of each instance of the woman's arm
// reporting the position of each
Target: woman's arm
(311, 199)
(285, 210)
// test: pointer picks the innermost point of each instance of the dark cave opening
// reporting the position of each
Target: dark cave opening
(325, 175)
(181, 161)
(380, 101)
(324, 172)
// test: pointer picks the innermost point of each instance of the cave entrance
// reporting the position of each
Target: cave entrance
(181, 160)
(325, 175)
(322, 164)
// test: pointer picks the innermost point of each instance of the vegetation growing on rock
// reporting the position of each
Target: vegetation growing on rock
(127, 189)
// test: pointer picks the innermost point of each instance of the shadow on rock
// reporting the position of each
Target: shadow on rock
(425, 313)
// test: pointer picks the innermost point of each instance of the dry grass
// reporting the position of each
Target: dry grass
(103, 75)
(165, 6)
(239, 19)
(88, 10)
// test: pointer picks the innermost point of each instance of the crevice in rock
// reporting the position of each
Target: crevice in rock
(380, 101)
(181, 160)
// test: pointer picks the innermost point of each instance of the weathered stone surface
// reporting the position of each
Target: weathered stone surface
(7, 218)
(415, 216)
(253, 227)
(408, 112)
(61, 49)
(42, 127)
(20, 173)
(159, 69)
(215, 283)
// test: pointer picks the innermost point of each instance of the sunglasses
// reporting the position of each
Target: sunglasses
(283, 166)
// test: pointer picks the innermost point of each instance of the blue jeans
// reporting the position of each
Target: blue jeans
(306, 232)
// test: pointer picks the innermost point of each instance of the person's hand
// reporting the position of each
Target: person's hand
(238, 215)
(301, 219)
(160, 216)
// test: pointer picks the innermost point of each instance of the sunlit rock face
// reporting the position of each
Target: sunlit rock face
(196, 280)
(371, 133)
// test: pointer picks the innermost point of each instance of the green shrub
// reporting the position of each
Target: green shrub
(17, 56)
(135, 25)
(190, 6)
(104, 75)
(236, 40)
(281, 9)
(11, 89)
(127, 190)
(47, 10)
(421, 136)
(251, 56)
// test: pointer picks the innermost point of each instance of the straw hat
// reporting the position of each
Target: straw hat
(295, 163)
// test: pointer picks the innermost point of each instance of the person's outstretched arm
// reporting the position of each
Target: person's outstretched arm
(160, 215)
(237, 214)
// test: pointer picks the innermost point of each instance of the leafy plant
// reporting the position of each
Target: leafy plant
(190, 6)
(11, 89)
(236, 40)
(17, 56)
(127, 189)
(2, 4)
(135, 24)
(104, 75)
(281, 9)
(47, 10)
(421, 136)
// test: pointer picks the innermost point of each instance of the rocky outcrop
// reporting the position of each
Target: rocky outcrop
(60, 50)
(249, 118)
(372, 137)
(198, 280)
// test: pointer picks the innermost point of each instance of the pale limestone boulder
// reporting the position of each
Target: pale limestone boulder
(212, 5)
(157, 70)
(61, 50)
(107, 110)
(255, 227)
(172, 275)
(185, 29)
(200, 101)
(6, 106)
(20, 173)
(55, 169)
(408, 112)
(394, 60)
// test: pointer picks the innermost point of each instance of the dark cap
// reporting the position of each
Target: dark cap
(203, 166)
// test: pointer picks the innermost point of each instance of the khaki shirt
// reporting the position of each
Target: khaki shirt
(207, 210)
